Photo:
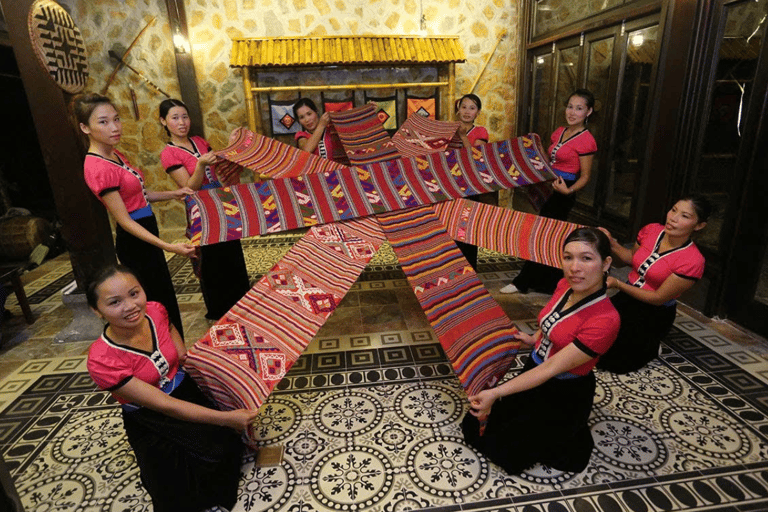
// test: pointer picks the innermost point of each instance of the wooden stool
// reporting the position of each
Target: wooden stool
(12, 276)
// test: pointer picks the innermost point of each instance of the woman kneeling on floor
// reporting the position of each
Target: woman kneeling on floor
(552, 396)
(188, 452)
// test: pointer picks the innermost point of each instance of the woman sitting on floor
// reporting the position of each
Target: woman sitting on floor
(665, 264)
(552, 396)
(188, 452)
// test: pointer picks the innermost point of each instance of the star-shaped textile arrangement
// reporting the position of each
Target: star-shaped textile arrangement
(407, 190)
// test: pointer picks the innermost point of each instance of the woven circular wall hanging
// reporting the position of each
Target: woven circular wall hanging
(58, 45)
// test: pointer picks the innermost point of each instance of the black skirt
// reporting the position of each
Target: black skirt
(535, 276)
(223, 277)
(643, 326)
(148, 262)
(546, 424)
(185, 466)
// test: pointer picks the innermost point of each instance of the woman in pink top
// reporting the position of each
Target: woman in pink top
(665, 263)
(570, 155)
(467, 109)
(120, 187)
(553, 395)
(189, 161)
(188, 451)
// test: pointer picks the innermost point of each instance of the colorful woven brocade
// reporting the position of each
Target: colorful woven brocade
(343, 193)
(524, 235)
(420, 135)
(475, 333)
(269, 158)
(425, 107)
(363, 135)
(250, 349)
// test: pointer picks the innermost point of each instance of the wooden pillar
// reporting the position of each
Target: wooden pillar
(451, 91)
(85, 226)
(185, 66)
(251, 105)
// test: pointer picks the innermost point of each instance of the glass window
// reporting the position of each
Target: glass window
(541, 100)
(567, 81)
(600, 54)
(626, 162)
(552, 14)
(737, 63)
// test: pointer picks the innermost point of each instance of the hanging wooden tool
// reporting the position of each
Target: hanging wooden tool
(474, 84)
(149, 82)
(121, 60)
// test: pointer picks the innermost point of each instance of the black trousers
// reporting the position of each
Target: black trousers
(536, 276)
(223, 277)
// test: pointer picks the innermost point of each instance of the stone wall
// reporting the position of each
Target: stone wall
(112, 25)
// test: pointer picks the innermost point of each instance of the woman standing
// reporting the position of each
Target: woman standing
(665, 263)
(120, 186)
(191, 164)
(188, 452)
(467, 109)
(570, 155)
(553, 394)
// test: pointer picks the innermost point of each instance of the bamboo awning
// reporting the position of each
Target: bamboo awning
(345, 50)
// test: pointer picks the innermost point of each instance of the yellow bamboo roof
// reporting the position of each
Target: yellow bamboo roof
(345, 50)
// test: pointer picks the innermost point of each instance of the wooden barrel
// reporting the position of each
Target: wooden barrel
(20, 235)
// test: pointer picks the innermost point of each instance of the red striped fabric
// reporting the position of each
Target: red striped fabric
(246, 353)
(420, 135)
(520, 234)
(269, 158)
(475, 333)
(363, 136)
(283, 204)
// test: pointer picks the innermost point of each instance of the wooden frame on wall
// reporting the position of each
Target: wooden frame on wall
(305, 54)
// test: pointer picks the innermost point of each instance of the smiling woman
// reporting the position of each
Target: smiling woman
(570, 155)
(120, 187)
(191, 163)
(665, 263)
(188, 452)
(554, 391)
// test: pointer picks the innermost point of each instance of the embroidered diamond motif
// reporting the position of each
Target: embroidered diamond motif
(288, 121)
(227, 335)
(272, 366)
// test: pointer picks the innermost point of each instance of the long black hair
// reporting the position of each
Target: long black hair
(303, 102)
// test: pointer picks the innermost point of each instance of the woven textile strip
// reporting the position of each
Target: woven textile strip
(363, 135)
(520, 234)
(241, 358)
(419, 135)
(269, 158)
(346, 193)
(474, 331)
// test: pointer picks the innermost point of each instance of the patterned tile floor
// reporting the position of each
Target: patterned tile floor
(369, 416)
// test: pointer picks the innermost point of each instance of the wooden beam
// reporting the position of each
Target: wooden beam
(85, 226)
(185, 66)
